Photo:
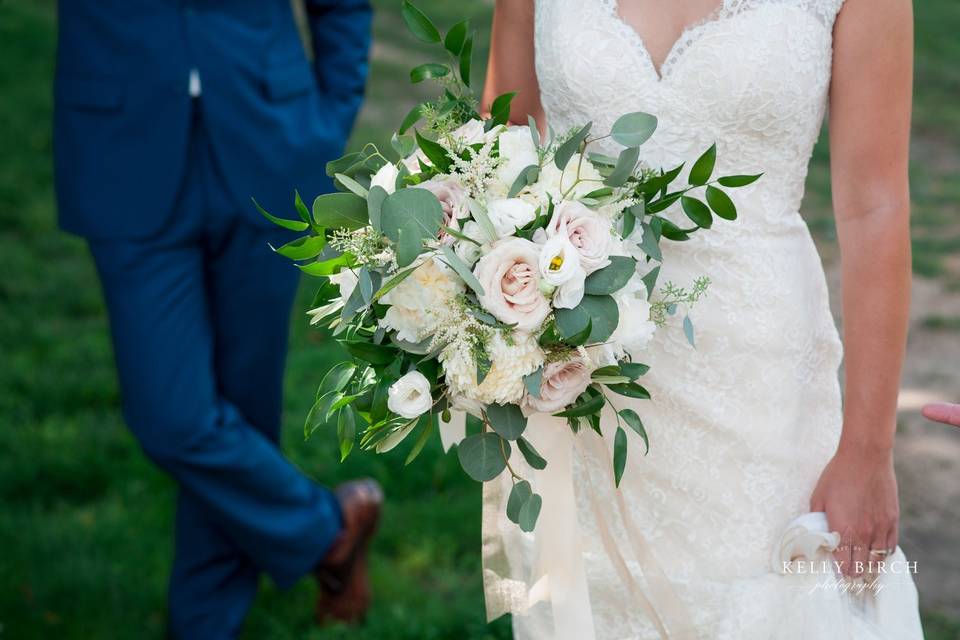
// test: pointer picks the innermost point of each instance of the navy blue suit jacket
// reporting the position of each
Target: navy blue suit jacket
(123, 109)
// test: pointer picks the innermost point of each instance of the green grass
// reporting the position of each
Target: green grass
(85, 525)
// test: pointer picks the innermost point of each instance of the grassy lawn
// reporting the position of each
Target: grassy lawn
(85, 540)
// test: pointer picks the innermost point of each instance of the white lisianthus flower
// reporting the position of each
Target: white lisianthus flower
(386, 178)
(511, 359)
(510, 214)
(635, 328)
(588, 232)
(346, 280)
(516, 154)
(562, 382)
(410, 395)
(412, 162)
(552, 184)
(453, 202)
(468, 251)
(510, 277)
(413, 302)
(560, 268)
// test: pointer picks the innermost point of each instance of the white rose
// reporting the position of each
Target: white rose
(560, 267)
(588, 232)
(413, 302)
(410, 395)
(471, 132)
(510, 277)
(635, 328)
(562, 382)
(510, 214)
(552, 184)
(516, 154)
(453, 201)
(386, 177)
(468, 251)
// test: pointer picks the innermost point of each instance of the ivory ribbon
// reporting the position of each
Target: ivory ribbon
(515, 580)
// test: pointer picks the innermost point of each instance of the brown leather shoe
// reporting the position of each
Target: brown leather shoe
(342, 575)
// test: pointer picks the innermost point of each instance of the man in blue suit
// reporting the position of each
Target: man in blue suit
(169, 116)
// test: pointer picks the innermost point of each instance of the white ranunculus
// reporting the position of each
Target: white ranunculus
(510, 214)
(552, 184)
(588, 232)
(560, 268)
(410, 395)
(468, 251)
(562, 382)
(635, 328)
(510, 277)
(453, 201)
(386, 177)
(413, 303)
(516, 154)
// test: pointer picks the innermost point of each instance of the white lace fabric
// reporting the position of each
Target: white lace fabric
(741, 426)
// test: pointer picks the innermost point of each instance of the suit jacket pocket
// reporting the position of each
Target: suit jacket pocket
(89, 93)
(290, 80)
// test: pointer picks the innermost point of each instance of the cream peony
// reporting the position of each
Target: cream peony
(453, 201)
(510, 214)
(560, 268)
(588, 232)
(511, 359)
(516, 154)
(431, 286)
(386, 177)
(510, 276)
(562, 382)
(410, 395)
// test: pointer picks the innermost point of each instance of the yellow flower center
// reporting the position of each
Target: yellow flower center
(556, 263)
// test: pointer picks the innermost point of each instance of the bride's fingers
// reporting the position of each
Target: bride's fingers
(860, 555)
(842, 553)
(943, 412)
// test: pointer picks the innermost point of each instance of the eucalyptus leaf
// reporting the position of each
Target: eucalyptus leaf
(534, 131)
(375, 199)
(650, 245)
(688, 331)
(409, 246)
(566, 150)
(340, 211)
(482, 455)
(519, 495)
(396, 279)
(602, 311)
(507, 420)
(533, 381)
(626, 163)
(611, 278)
(454, 261)
(416, 210)
(633, 129)
(530, 454)
(530, 512)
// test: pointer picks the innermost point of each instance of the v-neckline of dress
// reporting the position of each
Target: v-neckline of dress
(676, 50)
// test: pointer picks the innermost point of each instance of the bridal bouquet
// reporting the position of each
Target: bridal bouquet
(489, 270)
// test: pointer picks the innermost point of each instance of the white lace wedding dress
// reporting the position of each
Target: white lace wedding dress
(741, 426)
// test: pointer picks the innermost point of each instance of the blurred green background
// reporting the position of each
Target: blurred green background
(85, 520)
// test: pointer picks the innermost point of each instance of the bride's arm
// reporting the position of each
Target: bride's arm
(870, 107)
(511, 63)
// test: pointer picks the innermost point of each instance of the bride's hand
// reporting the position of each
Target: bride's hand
(858, 492)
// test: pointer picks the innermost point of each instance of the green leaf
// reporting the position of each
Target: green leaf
(326, 267)
(507, 420)
(397, 278)
(530, 512)
(416, 210)
(303, 248)
(528, 175)
(626, 163)
(697, 211)
(583, 409)
(365, 284)
(500, 109)
(374, 203)
(428, 421)
(337, 378)
(630, 390)
(301, 208)
(427, 71)
(534, 131)
(619, 454)
(702, 169)
(462, 269)
(650, 245)
(733, 182)
(409, 246)
(581, 337)
(466, 59)
(293, 225)
(479, 214)
(481, 455)
(602, 311)
(456, 37)
(418, 23)
(611, 278)
(671, 231)
(412, 117)
(565, 151)
(346, 431)
(633, 370)
(633, 129)
(533, 381)
(351, 185)
(688, 331)
(317, 417)
(340, 211)
(633, 420)
(369, 352)
(530, 454)
(519, 495)
(721, 203)
(435, 152)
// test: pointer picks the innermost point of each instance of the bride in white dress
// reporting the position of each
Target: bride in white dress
(747, 431)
